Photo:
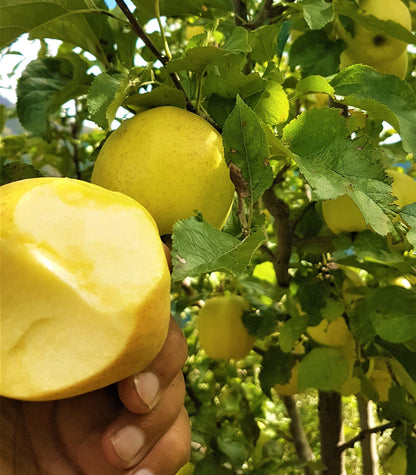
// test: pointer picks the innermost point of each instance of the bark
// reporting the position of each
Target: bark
(368, 444)
(297, 432)
(330, 426)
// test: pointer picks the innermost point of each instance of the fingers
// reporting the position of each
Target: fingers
(170, 453)
(131, 437)
(140, 393)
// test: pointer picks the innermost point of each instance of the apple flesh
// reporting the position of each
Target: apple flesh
(172, 162)
(85, 288)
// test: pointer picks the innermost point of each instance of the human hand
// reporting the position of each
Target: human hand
(138, 426)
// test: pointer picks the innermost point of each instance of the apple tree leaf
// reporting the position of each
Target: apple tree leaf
(276, 368)
(408, 213)
(13, 171)
(199, 247)
(393, 313)
(315, 53)
(159, 96)
(44, 86)
(322, 368)
(264, 42)
(334, 165)
(383, 96)
(196, 59)
(271, 104)
(71, 21)
(237, 42)
(313, 83)
(317, 13)
(245, 146)
(291, 331)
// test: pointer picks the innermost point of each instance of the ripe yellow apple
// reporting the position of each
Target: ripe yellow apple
(172, 162)
(193, 30)
(381, 378)
(291, 387)
(352, 384)
(343, 215)
(335, 333)
(398, 66)
(221, 331)
(85, 288)
(372, 47)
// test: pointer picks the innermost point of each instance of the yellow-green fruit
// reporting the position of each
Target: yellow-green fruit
(335, 333)
(291, 387)
(172, 162)
(372, 47)
(398, 66)
(221, 331)
(193, 30)
(343, 215)
(352, 385)
(85, 288)
(381, 379)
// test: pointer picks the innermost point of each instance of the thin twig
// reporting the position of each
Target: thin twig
(149, 43)
(366, 432)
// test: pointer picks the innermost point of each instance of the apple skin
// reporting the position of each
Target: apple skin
(398, 66)
(343, 215)
(334, 333)
(172, 162)
(221, 331)
(85, 288)
(371, 47)
(291, 387)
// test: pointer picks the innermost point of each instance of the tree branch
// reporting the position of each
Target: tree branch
(365, 433)
(149, 43)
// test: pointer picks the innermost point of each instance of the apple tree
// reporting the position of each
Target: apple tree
(316, 104)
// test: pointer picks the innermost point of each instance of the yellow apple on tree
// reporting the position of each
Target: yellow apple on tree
(381, 379)
(221, 331)
(291, 387)
(343, 215)
(374, 47)
(397, 462)
(335, 333)
(85, 288)
(172, 162)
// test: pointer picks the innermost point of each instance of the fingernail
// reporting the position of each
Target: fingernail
(127, 442)
(144, 471)
(147, 387)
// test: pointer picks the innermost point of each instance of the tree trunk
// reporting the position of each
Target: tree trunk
(330, 426)
(368, 444)
(300, 441)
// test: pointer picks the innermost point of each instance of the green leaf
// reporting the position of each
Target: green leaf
(232, 443)
(408, 213)
(237, 42)
(245, 146)
(291, 331)
(313, 83)
(198, 248)
(315, 53)
(317, 13)
(325, 369)
(264, 42)
(384, 96)
(276, 368)
(13, 171)
(103, 99)
(271, 104)
(393, 313)
(158, 96)
(335, 165)
(196, 59)
(71, 21)
(398, 408)
(44, 86)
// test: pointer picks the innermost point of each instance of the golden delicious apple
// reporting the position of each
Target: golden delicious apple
(343, 215)
(370, 46)
(381, 378)
(172, 162)
(85, 288)
(291, 387)
(335, 333)
(221, 331)
(398, 66)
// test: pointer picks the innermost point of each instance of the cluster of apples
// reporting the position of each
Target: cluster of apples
(384, 53)
(85, 283)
